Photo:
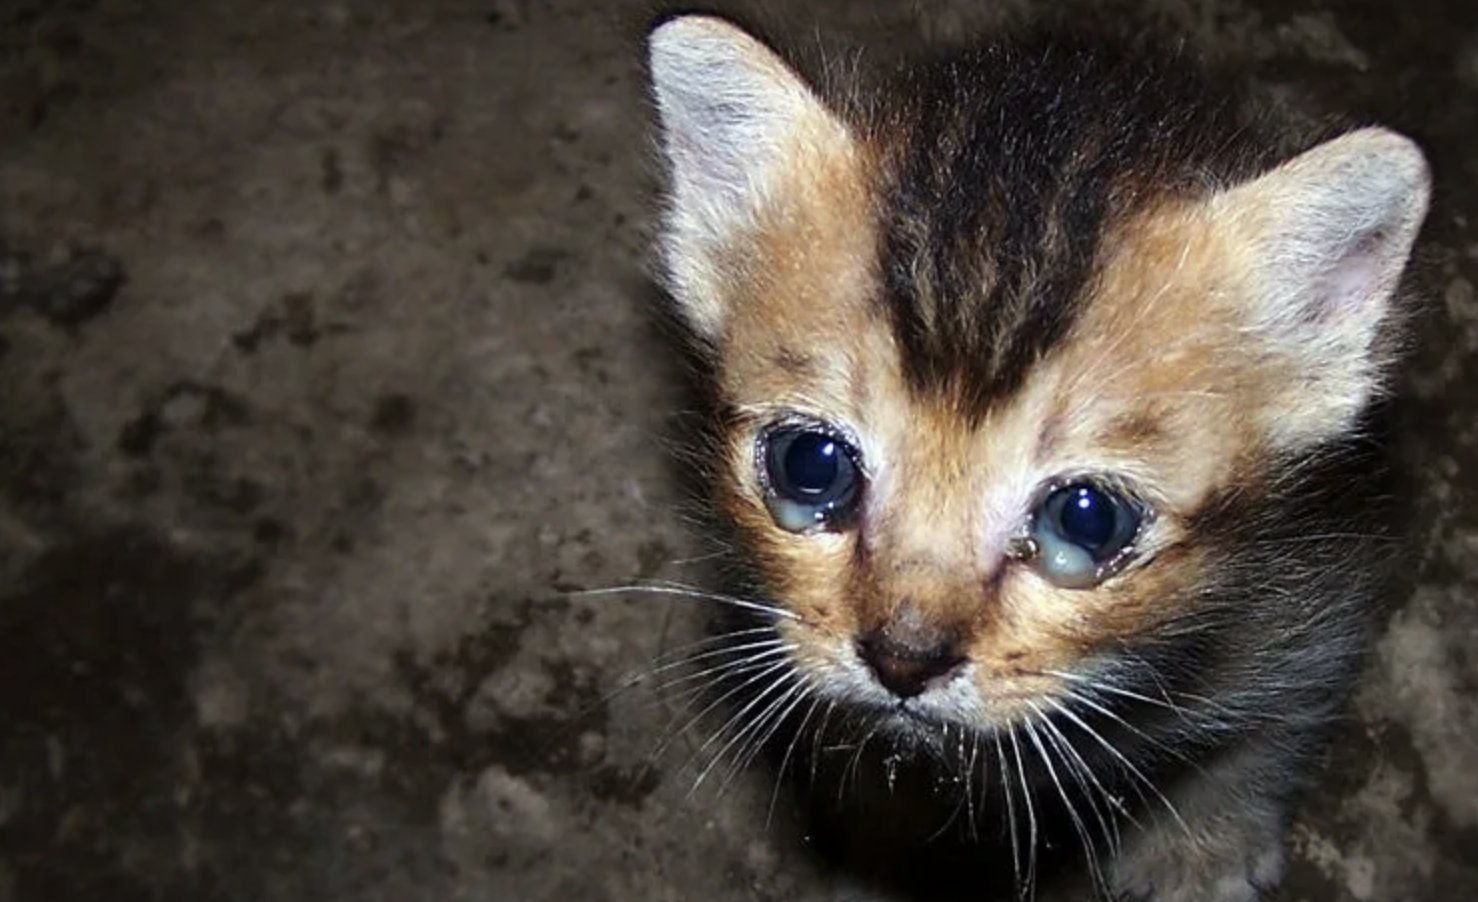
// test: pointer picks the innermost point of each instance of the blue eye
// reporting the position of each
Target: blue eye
(811, 476)
(1080, 530)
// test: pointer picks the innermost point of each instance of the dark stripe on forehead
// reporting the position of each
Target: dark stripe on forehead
(1003, 170)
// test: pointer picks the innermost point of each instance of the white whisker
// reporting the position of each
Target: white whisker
(1010, 810)
(723, 670)
(1031, 817)
(1109, 747)
(785, 760)
(749, 681)
(1089, 848)
(742, 603)
(760, 697)
(761, 738)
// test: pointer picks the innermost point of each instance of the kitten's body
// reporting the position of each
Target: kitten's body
(1031, 268)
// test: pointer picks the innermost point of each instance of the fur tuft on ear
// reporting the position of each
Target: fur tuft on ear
(1330, 233)
(733, 116)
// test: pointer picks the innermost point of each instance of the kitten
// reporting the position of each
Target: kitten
(1041, 376)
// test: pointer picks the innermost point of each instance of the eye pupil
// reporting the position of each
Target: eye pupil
(811, 478)
(811, 463)
(1088, 518)
(1083, 530)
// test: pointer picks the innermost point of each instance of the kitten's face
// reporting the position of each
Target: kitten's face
(964, 503)
(1145, 411)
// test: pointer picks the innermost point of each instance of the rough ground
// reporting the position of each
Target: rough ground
(326, 376)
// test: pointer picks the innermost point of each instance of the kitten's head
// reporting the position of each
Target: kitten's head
(1024, 364)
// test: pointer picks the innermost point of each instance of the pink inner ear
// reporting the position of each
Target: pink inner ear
(1353, 281)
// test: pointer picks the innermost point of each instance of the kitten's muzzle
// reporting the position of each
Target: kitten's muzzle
(906, 670)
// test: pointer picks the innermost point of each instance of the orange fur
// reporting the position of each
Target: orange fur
(1156, 381)
(1031, 376)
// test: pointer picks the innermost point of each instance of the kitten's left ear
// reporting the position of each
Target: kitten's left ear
(1330, 233)
(734, 116)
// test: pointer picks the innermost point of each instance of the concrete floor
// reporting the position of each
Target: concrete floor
(326, 376)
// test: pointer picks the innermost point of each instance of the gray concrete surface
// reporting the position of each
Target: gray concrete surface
(326, 377)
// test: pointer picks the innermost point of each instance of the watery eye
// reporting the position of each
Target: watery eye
(1081, 529)
(811, 477)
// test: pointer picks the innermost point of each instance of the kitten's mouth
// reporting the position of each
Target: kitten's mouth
(907, 707)
(927, 718)
(909, 716)
(912, 720)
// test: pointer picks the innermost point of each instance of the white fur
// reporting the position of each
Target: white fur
(1331, 231)
(733, 114)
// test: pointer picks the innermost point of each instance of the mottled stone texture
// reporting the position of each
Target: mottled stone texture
(327, 377)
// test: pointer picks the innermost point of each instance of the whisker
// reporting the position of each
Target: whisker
(1010, 811)
(765, 670)
(1113, 802)
(773, 715)
(985, 773)
(1109, 747)
(785, 760)
(760, 697)
(747, 740)
(744, 758)
(1091, 703)
(660, 664)
(689, 593)
(738, 666)
(1031, 816)
(716, 652)
(850, 775)
(766, 649)
(1100, 686)
(698, 559)
(1089, 848)
(969, 791)
(729, 635)
(1165, 691)
(819, 737)
(1082, 775)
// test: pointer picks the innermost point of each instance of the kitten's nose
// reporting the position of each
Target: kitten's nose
(907, 669)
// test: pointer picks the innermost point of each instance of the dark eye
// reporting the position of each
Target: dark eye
(811, 477)
(1081, 530)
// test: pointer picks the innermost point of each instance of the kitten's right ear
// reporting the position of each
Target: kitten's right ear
(734, 116)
